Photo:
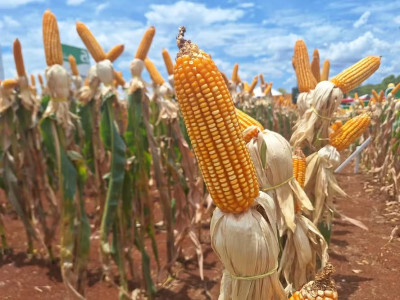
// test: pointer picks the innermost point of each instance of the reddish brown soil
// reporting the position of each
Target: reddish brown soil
(367, 266)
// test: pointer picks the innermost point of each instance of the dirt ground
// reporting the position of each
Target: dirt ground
(367, 265)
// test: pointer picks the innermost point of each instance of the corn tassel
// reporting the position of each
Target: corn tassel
(18, 58)
(9, 83)
(315, 69)
(305, 78)
(115, 52)
(350, 131)
(356, 74)
(253, 84)
(154, 74)
(214, 130)
(168, 62)
(325, 70)
(145, 43)
(51, 39)
(93, 46)
(235, 74)
(72, 63)
(246, 121)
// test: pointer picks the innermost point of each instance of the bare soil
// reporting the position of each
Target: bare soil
(367, 265)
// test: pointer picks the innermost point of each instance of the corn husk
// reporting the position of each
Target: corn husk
(321, 184)
(312, 129)
(105, 72)
(304, 102)
(6, 99)
(28, 99)
(247, 245)
(304, 249)
(272, 158)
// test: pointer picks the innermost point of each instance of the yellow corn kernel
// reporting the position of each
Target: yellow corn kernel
(356, 74)
(315, 66)
(325, 70)
(18, 58)
(350, 131)
(249, 133)
(154, 74)
(299, 166)
(115, 52)
(9, 83)
(214, 130)
(335, 126)
(51, 39)
(235, 74)
(145, 43)
(253, 84)
(168, 62)
(72, 63)
(92, 45)
(246, 121)
(305, 78)
(119, 78)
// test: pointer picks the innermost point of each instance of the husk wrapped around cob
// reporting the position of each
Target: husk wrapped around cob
(321, 184)
(312, 129)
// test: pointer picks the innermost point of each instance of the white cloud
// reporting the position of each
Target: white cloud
(246, 5)
(362, 20)
(397, 20)
(16, 3)
(74, 2)
(101, 7)
(10, 22)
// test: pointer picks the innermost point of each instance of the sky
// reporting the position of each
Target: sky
(259, 35)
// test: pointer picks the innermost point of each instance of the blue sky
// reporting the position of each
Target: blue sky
(259, 35)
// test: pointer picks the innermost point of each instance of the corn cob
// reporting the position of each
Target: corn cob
(246, 86)
(335, 126)
(246, 121)
(225, 78)
(119, 78)
(268, 89)
(90, 42)
(325, 70)
(356, 74)
(41, 80)
(305, 78)
(145, 43)
(262, 81)
(299, 166)
(18, 58)
(51, 39)
(9, 83)
(249, 133)
(154, 74)
(350, 131)
(214, 129)
(315, 66)
(168, 62)
(253, 84)
(72, 63)
(322, 288)
(115, 52)
(235, 74)
(375, 96)
(395, 89)
(381, 94)
(33, 81)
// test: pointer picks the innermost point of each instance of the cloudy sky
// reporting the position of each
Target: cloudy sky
(259, 35)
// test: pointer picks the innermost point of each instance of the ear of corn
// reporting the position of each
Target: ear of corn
(93, 46)
(268, 88)
(51, 39)
(350, 131)
(356, 74)
(246, 86)
(119, 78)
(226, 80)
(18, 58)
(305, 78)
(246, 121)
(315, 69)
(299, 166)
(214, 130)
(381, 95)
(249, 133)
(395, 89)
(72, 63)
(262, 81)
(115, 52)
(235, 74)
(145, 43)
(375, 96)
(168, 62)
(9, 83)
(33, 81)
(154, 74)
(41, 80)
(336, 125)
(325, 70)
(253, 84)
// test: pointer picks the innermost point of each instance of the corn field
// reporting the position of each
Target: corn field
(118, 160)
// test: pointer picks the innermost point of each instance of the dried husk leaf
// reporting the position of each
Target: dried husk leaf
(6, 99)
(28, 99)
(272, 158)
(105, 72)
(321, 184)
(256, 230)
(303, 250)
(169, 111)
(312, 129)
(304, 102)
